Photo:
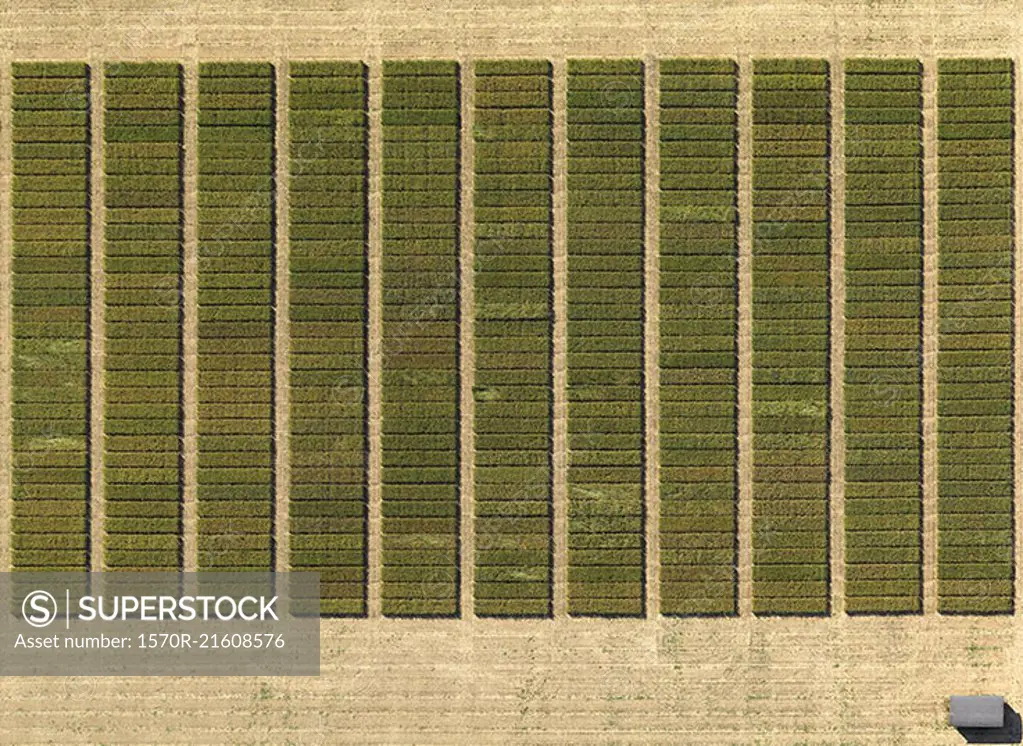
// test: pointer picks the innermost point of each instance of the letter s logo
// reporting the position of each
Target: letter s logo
(39, 608)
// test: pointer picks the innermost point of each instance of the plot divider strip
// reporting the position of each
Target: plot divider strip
(190, 321)
(930, 338)
(374, 343)
(282, 330)
(467, 357)
(744, 404)
(1017, 327)
(6, 325)
(560, 341)
(651, 335)
(97, 330)
(836, 487)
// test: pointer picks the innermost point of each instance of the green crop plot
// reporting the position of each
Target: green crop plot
(50, 315)
(975, 343)
(328, 240)
(236, 316)
(330, 343)
(421, 125)
(698, 318)
(605, 337)
(513, 325)
(791, 342)
(883, 335)
(142, 138)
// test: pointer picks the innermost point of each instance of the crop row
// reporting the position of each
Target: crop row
(605, 340)
(975, 342)
(698, 356)
(143, 283)
(790, 338)
(513, 386)
(883, 340)
(420, 340)
(236, 317)
(327, 358)
(50, 317)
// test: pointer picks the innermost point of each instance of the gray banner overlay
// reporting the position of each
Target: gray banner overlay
(159, 624)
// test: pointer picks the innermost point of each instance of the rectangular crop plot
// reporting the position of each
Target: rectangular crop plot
(142, 137)
(698, 316)
(605, 337)
(421, 161)
(513, 326)
(50, 315)
(328, 241)
(236, 316)
(790, 336)
(975, 343)
(883, 335)
(516, 215)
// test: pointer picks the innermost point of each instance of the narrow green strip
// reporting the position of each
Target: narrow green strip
(328, 241)
(513, 325)
(791, 341)
(606, 531)
(975, 342)
(699, 356)
(883, 337)
(236, 321)
(420, 339)
(142, 417)
(50, 313)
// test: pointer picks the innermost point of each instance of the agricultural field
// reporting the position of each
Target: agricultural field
(513, 331)
(236, 238)
(50, 316)
(142, 139)
(699, 273)
(327, 315)
(975, 342)
(605, 337)
(883, 335)
(638, 373)
(791, 343)
(421, 119)
(594, 205)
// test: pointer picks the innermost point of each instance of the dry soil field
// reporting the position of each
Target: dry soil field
(745, 679)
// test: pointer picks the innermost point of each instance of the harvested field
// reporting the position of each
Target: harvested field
(634, 373)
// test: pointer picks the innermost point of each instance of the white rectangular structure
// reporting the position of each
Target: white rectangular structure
(976, 712)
